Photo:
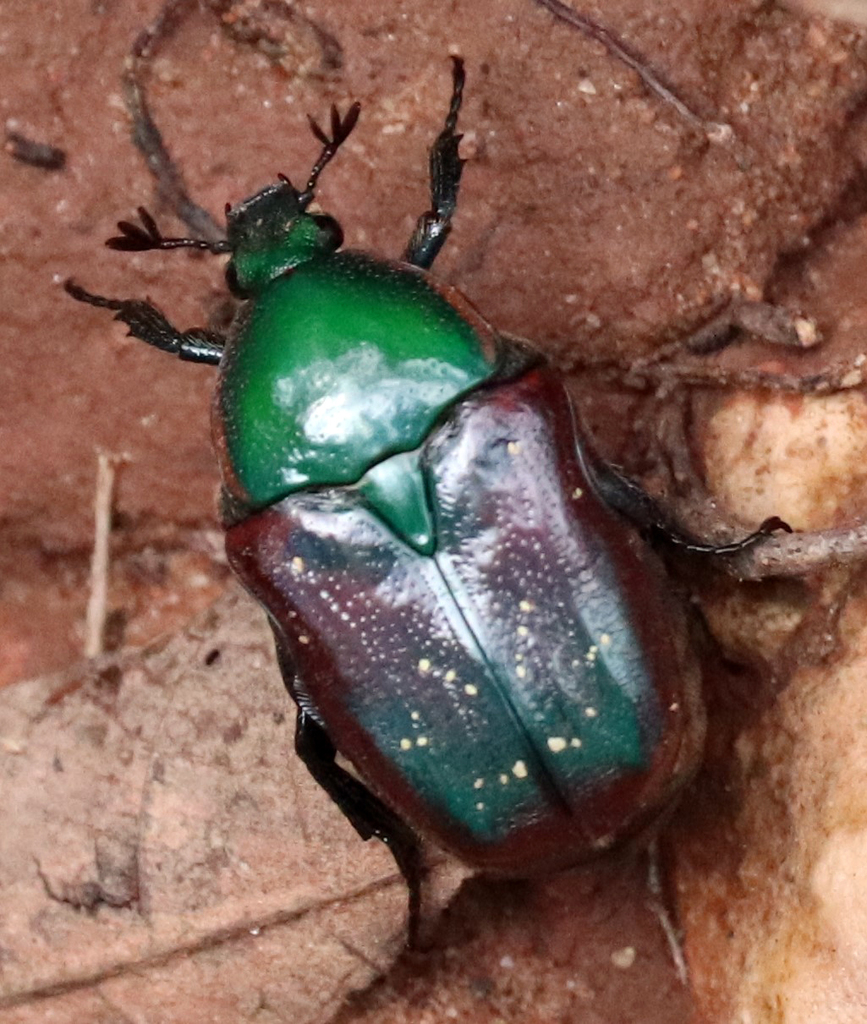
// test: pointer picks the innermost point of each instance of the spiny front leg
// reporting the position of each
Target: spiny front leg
(149, 324)
(433, 227)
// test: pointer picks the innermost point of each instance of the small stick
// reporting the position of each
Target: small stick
(145, 134)
(36, 154)
(97, 602)
(797, 554)
(652, 376)
(716, 131)
(657, 904)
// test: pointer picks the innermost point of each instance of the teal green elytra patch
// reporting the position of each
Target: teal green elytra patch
(524, 742)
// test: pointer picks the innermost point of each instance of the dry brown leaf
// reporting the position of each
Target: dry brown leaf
(166, 854)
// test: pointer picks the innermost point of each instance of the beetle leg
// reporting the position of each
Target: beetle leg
(367, 814)
(433, 227)
(620, 492)
(147, 323)
(773, 550)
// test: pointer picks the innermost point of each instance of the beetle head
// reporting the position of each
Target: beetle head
(272, 232)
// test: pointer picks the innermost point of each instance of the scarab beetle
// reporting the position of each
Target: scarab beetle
(460, 608)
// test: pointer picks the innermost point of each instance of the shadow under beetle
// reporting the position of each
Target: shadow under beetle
(459, 607)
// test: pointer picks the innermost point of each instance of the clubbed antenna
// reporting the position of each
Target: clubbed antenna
(341, 127)
(142, 238)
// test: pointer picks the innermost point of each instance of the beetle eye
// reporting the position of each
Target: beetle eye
(329, 227)
(233, 283)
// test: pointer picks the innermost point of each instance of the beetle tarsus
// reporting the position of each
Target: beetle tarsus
(446, 166)
(769, 527)
(367, 814)
(149, 324)
(341, 129)
(147, 236)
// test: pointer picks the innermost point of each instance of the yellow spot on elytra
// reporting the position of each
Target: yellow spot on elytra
(590, 712)
(297, 564)
(523, 631)
(504, 779)
(513, 447)
(302, 639)
(478, 783)
(480, 806)
(422, 741)
(471, 690)
(556, 744)
(578, 493)
(604, 640)
(405, 744)
(519, 770)
(526, 606)
(414, 715)
(575, 743)
(521, 672)
(451, 675)
(674, 707)
(424, 665)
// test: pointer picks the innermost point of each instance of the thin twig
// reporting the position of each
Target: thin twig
(796, 554)
(716, 131)
(97, 602)
(658, 906)
(650, 375)
(145, 134)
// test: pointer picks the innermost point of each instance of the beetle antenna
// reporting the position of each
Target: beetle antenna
(146, 236)
(341, 127)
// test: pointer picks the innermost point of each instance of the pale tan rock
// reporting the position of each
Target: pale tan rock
(854, 11)
(777, 927)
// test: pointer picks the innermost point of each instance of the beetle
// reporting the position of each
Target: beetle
(462, 605)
